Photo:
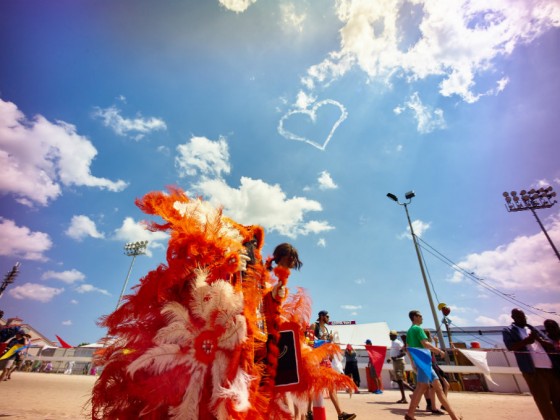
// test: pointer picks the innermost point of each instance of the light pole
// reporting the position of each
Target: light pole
(132, 249)
(9, 278)
(543, 198)
(409, 195)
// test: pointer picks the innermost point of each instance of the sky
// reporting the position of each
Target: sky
(299, 116)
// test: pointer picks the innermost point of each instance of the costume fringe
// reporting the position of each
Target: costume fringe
(186, 344)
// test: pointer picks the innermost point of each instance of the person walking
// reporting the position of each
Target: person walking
(416, 338)
(396, 355)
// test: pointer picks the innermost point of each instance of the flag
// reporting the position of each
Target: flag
(376, 357)
(319, 343)
(63, 343)
(13, 350)
(480, 360)
(422, 358)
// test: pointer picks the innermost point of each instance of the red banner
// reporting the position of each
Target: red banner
(376, 357)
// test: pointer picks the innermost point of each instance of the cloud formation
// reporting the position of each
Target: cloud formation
(526, 263)
(256, 202)
(132, 231)
(453, 41)
(326, 182)
(419, 228)
(428, 119)
(89, 288)
(81, 227)
(68, 276)
(37, 157)
(20, 242)
(202, 156)
(34, 291)
(135, 128)
(237, 6)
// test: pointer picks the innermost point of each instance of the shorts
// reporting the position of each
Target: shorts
(421, 377)
(398, 368)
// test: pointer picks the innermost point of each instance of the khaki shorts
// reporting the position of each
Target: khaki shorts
(398, 368)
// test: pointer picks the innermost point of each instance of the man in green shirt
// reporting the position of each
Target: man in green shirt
(416, 337)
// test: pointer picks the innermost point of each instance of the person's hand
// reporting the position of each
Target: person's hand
(243, 259)
(279, 291)
(530, 338)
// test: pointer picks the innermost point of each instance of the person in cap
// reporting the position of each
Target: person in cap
(396, 356)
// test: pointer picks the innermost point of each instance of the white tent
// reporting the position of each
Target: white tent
(357, 334)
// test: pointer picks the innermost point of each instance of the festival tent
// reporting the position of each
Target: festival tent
(357, 334)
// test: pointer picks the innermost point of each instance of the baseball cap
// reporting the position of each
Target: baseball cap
(368, 342)
(393, 332)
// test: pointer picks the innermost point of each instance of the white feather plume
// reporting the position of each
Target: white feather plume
(159, 359)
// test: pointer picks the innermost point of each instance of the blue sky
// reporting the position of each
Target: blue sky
(299, 116)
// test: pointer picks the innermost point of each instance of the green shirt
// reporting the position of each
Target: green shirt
(415, 336)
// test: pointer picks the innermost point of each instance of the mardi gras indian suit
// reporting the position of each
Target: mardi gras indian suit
(198, 338)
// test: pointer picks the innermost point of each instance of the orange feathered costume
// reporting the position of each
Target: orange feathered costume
(188, 343)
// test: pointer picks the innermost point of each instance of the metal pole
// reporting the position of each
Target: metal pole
(126, 281)
(545, 233)
(432, 307)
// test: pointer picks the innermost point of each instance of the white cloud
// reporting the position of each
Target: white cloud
(419, 228)
(256, 202)
(135, 128)
(132, 231)
(82, 226)
(485, 321)
(74, 301)
(88, 288)
(322, 242)
(351, 307)
(455, 41)
(304, 100)
(290, 17)
(360, 281)
(203, 156)
(69, 276)
(34, 291)
(428, 119)
(326, 182)
(37, 156)
(526, 263)
(21, 242)
(67, 322)
(237, 6)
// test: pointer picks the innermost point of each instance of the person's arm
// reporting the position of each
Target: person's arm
(432, 348)
(547, 344)
(513, 345)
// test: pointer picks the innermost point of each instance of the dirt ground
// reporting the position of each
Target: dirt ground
(52, 396)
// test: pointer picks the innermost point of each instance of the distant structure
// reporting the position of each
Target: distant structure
(9, 278)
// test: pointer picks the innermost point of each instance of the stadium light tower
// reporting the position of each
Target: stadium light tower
(132, 249)
(9, 278)
(409, 196)
(543, 198)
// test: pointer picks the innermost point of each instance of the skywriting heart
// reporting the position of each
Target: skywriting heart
(312, 114)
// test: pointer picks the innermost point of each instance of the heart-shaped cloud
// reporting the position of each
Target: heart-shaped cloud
(312, 114)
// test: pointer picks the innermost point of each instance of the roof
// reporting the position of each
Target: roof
(357, 334)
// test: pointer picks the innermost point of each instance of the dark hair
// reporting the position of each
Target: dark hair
(412, 314)
(286, 250)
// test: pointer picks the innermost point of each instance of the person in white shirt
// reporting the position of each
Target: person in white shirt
(396, 354)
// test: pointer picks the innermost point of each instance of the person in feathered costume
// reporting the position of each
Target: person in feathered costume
(198, 337)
